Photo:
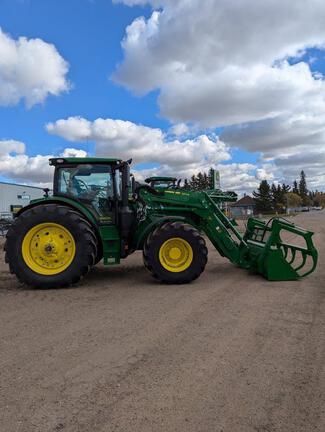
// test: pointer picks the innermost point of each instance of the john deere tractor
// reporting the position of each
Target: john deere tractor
(97, 211)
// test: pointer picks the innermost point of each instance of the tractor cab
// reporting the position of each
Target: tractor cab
(97, 183)
(161, 183)
(100, 185)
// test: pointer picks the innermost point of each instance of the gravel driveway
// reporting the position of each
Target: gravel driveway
(231, 352)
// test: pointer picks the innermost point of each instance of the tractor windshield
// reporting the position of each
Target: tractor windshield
(92, 184)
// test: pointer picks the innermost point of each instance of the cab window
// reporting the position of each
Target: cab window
(92, 184)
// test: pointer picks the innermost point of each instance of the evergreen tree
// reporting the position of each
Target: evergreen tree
(303, 191)
(278, 196)
(295, 189)
(285, 188)
(275, 195)
(186, 184)
(206, 181)
(193, 182)
(210, 178)
(263, 197)
(200, 181)
(311, 196)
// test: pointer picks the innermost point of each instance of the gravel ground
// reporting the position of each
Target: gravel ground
(231, 352)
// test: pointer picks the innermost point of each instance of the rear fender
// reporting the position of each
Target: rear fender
(63, 201)
(68, 203)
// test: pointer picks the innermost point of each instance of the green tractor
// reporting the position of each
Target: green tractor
(97, 211)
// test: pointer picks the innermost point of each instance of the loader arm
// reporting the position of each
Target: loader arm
(221, 231)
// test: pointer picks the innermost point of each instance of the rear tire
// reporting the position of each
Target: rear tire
(59, 262)
(175, 253)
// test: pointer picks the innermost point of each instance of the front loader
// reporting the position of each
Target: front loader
(98, 212)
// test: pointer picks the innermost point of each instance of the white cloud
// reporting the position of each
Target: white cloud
(266, 172)
(124, 139)
(116, 138)
(223, 65)
(179, 129)
(229, 65)
(9, 146)
(294, 142)
(16, 165)
(238, 177)
(72, 152)
(180, 158)
(30, 70)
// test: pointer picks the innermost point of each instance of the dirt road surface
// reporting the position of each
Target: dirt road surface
(231, 352)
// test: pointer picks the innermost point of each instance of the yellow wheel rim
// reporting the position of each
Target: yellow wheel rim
(48, 248)
(176, 255)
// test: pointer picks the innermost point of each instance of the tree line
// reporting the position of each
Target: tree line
(200, 181)
(268, 197)
(274, 197)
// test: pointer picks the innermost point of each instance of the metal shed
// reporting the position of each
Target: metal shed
(15, 196)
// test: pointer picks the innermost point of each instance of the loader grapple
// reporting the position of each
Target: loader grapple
(272, 253)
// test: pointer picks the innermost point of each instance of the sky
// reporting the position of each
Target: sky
(179, 86)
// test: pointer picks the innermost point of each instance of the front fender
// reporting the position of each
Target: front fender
(153, 225)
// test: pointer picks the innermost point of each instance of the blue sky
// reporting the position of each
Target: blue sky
(88, 35)
(150, 90)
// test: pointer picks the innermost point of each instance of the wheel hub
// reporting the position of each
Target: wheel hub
(176, 255)
(48, 248)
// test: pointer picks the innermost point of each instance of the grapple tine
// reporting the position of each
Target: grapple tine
(304, 258)
(285, 250)
(293, 257)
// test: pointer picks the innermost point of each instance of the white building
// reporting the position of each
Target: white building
(14, 196)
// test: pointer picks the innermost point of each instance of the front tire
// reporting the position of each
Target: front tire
(50, 246)
(175, 253)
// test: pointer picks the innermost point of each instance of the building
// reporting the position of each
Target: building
(14, 196)
(243, 207)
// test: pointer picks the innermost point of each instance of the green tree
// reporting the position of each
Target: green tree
(276, 195)
(186, 184)
(293, 199)
(319, 199)
(200, 181)
(263, 197)
(206, 182)
(303, 190)
(210, 178)
(193, 182)
(283, 190)
(295, 188)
